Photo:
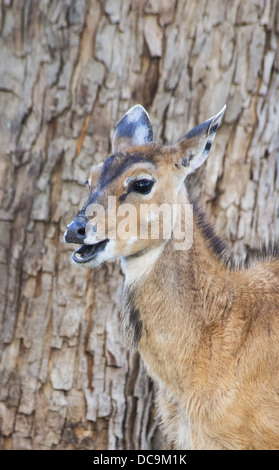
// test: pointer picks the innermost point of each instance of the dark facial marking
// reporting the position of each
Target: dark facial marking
(116, 165)
(208, 146)
(123, 196)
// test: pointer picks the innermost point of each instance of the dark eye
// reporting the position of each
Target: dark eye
(143, 186)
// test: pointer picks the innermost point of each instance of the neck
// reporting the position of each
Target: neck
(137, 268)
(171, 298)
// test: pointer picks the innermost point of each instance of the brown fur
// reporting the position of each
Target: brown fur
(211, 340)
(207, 332)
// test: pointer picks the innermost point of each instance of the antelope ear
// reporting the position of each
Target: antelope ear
(133, 129)
(193, 149)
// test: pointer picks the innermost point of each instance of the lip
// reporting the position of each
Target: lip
(88, 252)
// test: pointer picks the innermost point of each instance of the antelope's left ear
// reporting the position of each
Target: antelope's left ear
(193, 149)
(133, 129)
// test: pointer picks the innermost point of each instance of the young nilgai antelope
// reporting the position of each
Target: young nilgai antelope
(207, 332)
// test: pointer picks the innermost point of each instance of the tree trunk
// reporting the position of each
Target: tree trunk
(68, 71)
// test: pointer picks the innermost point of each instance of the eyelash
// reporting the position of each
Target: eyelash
(142, 186)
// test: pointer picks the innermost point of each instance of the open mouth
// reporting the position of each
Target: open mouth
(88, 252)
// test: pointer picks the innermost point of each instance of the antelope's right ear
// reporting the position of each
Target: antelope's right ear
(193, 149)
(133, 129)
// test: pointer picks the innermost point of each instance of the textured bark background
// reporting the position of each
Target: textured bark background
(68, 71)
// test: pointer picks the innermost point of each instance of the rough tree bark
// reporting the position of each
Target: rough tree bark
(68, 71)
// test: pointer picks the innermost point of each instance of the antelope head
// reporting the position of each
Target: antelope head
(126, 190)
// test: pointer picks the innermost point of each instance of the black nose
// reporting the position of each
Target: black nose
(75, 232)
